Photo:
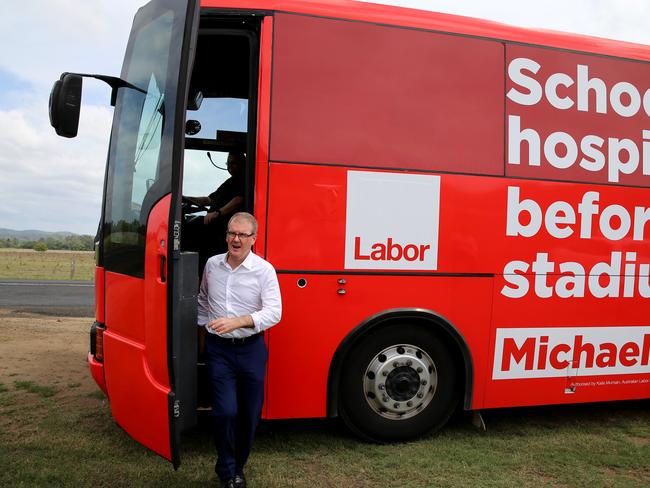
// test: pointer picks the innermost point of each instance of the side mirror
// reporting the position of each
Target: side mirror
(194, 102)
(65, 104)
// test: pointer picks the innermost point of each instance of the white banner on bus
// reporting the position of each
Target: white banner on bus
(570, 351)
(392, 221)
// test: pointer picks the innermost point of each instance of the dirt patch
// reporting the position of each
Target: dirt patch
(41, 351)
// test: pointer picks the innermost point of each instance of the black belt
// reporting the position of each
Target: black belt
(237, 341)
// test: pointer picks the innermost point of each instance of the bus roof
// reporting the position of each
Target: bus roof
(440, 22)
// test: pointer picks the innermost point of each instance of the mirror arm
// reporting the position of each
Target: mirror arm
(113, 81)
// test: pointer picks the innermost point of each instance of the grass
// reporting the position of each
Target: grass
(31, 387)
(25, 264)
(50, 442)
(63, 435)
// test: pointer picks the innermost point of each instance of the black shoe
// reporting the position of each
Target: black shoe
(240, 480)
(229, 483)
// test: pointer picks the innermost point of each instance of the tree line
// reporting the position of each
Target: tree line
(69, 243)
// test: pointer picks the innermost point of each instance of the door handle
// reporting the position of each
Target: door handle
(163, 271)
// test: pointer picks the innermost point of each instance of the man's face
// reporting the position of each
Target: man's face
(232, 163)
(239, 245)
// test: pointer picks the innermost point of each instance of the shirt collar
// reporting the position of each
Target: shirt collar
(221, 258)
(248, 263)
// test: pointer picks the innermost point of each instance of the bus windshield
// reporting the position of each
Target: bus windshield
(136, 177)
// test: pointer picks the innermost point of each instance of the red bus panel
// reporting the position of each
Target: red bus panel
(99, 294)
(262, 143)
(352, 93)
(570, 264)
(313, 214)
(135, 343)
(302, 346)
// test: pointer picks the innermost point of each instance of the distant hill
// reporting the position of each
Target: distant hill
(33, 235)
(40, 240)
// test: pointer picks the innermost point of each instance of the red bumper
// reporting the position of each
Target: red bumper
(97, 371)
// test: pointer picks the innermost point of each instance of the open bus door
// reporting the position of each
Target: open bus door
(150, 300)
(149, 332)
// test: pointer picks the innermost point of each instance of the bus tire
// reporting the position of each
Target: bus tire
(398, 383)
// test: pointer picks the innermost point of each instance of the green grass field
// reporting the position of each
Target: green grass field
(78, 444)
(25, 264)
(56, 430)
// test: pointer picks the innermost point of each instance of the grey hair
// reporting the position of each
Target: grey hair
(244, 216)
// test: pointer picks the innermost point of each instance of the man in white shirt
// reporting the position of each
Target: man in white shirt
(238, 300)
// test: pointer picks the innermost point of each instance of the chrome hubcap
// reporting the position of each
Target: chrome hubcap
(400, 381)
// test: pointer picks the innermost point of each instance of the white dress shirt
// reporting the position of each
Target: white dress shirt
(250, 289)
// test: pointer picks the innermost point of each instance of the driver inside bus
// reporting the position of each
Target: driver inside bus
(207, 235)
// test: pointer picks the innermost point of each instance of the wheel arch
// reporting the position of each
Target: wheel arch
(438, 324)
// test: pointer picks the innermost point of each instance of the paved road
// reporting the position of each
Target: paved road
(69, 298)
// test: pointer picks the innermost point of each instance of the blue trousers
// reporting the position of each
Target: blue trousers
(237, 376)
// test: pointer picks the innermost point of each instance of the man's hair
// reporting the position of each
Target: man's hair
(239, 156)
(244, 216)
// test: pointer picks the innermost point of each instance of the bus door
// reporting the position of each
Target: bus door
(150, 304)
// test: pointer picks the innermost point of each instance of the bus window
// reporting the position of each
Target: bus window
(200, 177)
(218, 121)
(145, 171)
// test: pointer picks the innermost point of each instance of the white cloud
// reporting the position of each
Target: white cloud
(47, 182)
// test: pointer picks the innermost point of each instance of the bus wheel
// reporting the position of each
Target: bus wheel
(398, 383)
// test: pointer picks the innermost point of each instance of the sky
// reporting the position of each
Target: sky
(55, 184)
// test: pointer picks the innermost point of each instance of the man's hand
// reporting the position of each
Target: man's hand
(225, 325)
(210, 216)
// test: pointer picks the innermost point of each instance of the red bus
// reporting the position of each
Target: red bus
(457, 211)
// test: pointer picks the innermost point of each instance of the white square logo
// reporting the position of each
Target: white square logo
(392, 221)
